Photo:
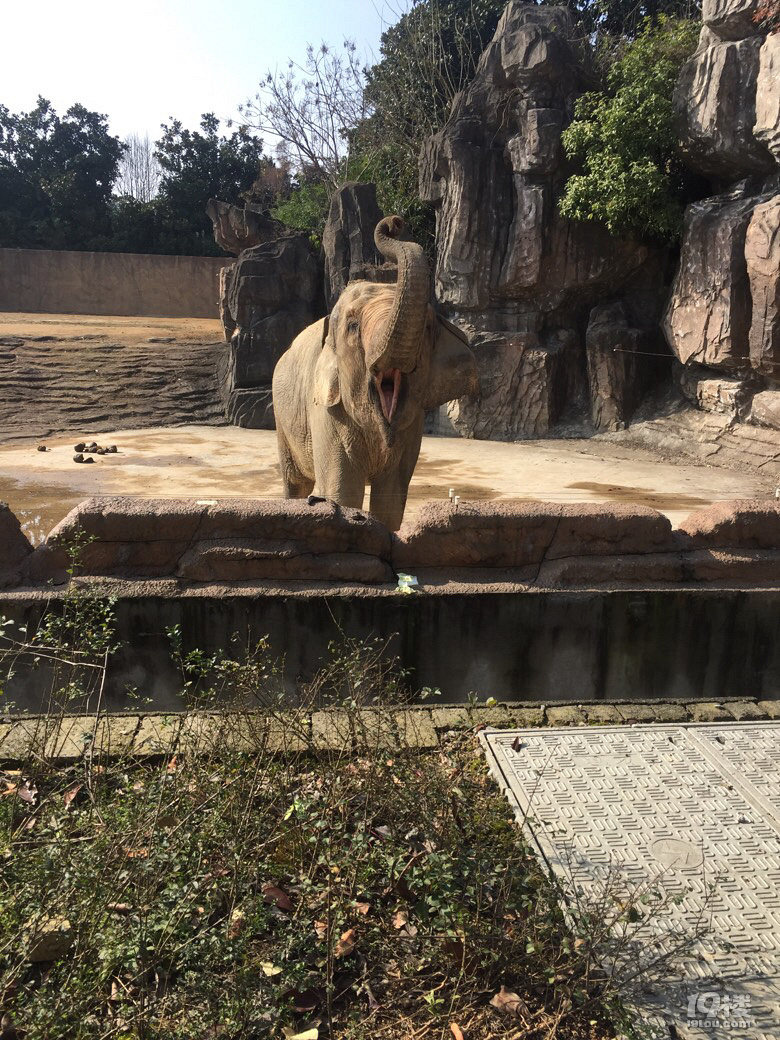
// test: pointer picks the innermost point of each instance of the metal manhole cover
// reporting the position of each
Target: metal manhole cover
(692, 811)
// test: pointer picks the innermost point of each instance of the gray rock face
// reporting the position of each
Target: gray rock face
(348, 239)
(713, 392)
(715, 106)
(707, 319)
(510, 269)
(724, 307)
(765, 409)
(271, 293)
(730, 19)
(767, 125)
(617, 366)
(762, 256)
(237, 228)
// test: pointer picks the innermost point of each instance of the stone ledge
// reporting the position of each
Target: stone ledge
(153, 734)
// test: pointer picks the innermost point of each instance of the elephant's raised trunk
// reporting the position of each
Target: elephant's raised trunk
(399, 346)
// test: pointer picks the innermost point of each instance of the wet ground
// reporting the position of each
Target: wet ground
(221, 462)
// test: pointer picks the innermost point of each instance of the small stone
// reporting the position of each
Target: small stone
(565, 715)
(112, 449)
(80, 446)
(78, 458)
(52, 941)
(745, 711)
(101, 451)
(88, 458)
(42, 447)
(708, 711)
(604, 714)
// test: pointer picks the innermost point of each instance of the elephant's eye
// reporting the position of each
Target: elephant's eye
(353, 327)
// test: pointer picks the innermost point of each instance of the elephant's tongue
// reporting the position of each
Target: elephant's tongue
(388, 384)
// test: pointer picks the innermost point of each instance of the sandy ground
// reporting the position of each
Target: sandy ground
(118, 329)
(222, 462)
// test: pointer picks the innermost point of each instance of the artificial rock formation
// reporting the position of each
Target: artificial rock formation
(348, 239)
(723, 311)
(237, 228)
(271, 293)
(517, 276)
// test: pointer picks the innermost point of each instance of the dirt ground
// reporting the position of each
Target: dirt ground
(220, 462)
(163, 368)
(116, 328)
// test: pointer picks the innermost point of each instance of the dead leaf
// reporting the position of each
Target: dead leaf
(274, 894)
(270, 969)
(70, 794)
(346, 944)
(236, 926)
(400, 918)
(173, 765)
(511, 1003)
(312, 1033)
(9, 788)
(28, 792)
(457, 1032)
(119, 908)
(373, 1003)
(517, 744)
(362, 908)
(136, 853)
(321, 928)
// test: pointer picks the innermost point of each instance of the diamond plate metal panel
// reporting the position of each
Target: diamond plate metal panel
(690, 811)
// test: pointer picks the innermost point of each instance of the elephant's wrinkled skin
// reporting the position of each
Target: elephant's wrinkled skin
(351, 392)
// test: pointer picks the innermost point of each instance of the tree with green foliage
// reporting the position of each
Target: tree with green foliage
(56, 176)
(198, 165)
(624, 138)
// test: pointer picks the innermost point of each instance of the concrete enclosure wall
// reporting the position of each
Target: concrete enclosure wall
(62, 282)
(516, 600)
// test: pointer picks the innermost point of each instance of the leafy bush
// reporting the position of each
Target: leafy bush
(633, 181)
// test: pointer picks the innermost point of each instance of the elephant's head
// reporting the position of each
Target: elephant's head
(386, 355)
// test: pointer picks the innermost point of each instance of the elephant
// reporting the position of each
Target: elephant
(350, 393)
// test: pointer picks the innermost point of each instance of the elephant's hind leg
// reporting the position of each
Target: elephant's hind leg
(295, 484)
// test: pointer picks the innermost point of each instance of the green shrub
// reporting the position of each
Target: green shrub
(632, 180)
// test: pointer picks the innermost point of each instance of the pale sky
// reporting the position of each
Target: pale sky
(142, 62)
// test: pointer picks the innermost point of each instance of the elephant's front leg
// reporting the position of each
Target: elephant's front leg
(390, 488)
(336, 477)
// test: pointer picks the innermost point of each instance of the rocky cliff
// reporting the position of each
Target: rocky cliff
(722, 319)
(561, 314)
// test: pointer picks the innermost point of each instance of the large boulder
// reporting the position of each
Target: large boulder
(707, 318)
(767, 125)
(271, 293)
(241, 227)
(618, 367)
(762, 256)
(522, 534)
(14, 547)
(509, 268)
(715, 107)
(245, 540)
(348, 239)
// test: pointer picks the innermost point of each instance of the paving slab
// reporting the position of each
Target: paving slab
(690, 811)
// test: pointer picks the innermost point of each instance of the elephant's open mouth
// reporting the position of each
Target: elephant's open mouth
(388, 385)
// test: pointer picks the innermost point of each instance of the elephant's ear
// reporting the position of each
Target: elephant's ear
(453, 371)
(326, 372)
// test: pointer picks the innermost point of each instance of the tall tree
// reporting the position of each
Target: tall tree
(200, 164)
(56, 177)
(139, 170)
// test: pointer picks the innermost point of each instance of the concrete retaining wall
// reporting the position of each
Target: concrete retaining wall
(64, 282)
(516, 600)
